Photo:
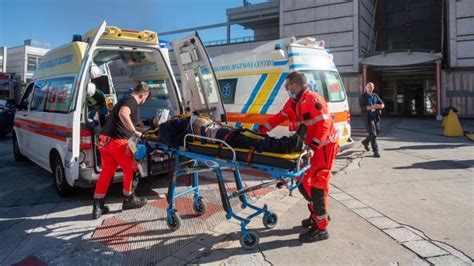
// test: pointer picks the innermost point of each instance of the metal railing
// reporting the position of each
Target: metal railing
(244, 39)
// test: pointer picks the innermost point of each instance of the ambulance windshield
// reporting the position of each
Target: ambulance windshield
(326, 83)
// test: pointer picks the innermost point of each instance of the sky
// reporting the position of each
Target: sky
(55, 21)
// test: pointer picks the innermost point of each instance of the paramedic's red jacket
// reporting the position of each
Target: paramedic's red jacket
(310, 109)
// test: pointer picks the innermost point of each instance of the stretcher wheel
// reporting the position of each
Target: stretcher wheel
(173, 222)
(199, 206)
(270, 220)
(249, 243)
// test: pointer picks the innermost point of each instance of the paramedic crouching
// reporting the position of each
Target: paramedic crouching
(308, 109)
(113, 140)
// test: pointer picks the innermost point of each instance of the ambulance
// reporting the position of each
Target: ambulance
(252, 83)
(53, 126)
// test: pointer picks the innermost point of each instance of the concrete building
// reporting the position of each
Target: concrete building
(23, 60)
(419, 53)
(3, 59)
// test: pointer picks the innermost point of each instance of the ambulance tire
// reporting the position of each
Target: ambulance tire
(16, 150)
(59, 176)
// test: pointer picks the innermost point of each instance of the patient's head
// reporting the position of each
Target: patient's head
(200, 122)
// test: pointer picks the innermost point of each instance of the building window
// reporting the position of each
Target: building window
(1, 64)
(33, 63)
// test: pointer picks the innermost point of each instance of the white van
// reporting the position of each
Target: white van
(252, 83)
(52, 127)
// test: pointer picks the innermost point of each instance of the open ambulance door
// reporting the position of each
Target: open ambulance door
(72, 156)
(201, 92)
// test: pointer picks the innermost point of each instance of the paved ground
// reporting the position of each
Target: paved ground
(412, 206)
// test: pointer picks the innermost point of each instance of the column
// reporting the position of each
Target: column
(364, 77)
(439, 93)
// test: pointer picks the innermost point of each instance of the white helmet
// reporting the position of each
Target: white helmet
(91, 88)
(95, 71)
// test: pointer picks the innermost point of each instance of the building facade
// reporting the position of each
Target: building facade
(419, 53)
(23, 60)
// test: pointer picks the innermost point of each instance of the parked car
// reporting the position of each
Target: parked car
(7, 113)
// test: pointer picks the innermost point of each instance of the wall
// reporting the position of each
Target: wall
(459, 91)
(334, 21)
(461, 33)
(367, 26)
(16, 61)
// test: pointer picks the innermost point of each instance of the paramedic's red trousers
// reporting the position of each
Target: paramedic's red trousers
(318, 175)
(113, 155)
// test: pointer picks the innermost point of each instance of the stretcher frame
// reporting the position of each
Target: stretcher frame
(205, 163)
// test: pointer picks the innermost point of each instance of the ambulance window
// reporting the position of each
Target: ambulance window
(160, 99)
(25, 99)
(210, 85)
(38, 98)
(60, 93)
(228, 90)
(334, 87)
(313, 78)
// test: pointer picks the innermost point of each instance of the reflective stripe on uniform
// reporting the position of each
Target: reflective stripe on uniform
(268, 126)
(330, 139)
(297, 123)
(316, 119)
(99, 196)
(284, 114)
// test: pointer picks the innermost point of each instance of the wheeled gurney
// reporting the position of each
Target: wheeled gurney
(202, 154)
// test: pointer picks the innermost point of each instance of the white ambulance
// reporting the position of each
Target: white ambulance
(53, 126)
(252, 83)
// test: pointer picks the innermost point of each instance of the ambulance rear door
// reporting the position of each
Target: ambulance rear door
(201, 92)
(71, 160)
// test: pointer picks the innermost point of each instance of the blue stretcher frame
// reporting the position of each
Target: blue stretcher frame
(213, 164)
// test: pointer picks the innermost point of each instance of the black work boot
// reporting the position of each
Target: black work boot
(366, 145)
(376, 154)
(133, 202)
(99, 208)
(307, 223)
(314, 234)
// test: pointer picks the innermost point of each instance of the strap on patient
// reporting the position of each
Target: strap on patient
(221, 145)
(250, 155)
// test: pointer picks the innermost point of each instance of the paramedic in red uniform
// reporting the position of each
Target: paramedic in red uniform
(307, 111)
(119, 127)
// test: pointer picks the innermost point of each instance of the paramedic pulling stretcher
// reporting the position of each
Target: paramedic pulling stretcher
(113, 148)
(215, 154)
(308, 109)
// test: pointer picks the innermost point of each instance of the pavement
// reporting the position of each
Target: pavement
(413, 206)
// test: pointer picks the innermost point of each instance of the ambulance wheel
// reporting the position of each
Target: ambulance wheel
(173, 222)
(249, 243)
(16, 150)
(270, 220)
(60, 182)
(199, 206)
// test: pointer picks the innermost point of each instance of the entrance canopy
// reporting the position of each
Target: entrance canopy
(400, 58)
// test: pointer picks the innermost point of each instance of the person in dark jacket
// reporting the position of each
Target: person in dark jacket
(370, 108)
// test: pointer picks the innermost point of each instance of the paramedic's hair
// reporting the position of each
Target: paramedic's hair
(141, 88)
(297, 77)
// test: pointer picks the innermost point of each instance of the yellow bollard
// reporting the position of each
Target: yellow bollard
(453, 126)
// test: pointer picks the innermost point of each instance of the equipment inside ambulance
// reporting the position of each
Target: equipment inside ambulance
(252, 83)
(73, 90)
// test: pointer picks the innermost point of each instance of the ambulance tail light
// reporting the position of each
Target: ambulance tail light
(348, 117)
(86, 140)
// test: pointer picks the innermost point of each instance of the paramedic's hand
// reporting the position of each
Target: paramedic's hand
(310, 154)
(137, 134)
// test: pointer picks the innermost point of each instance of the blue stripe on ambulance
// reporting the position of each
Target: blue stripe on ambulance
(272, 96)
(293, 54)
(293, 66)
(252, 96)
(280, 63)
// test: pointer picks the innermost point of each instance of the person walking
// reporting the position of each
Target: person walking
(370, 108)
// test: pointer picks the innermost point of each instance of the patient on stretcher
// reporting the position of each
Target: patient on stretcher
(173, 132)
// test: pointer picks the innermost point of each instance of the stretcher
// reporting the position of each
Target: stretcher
(192, 159)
